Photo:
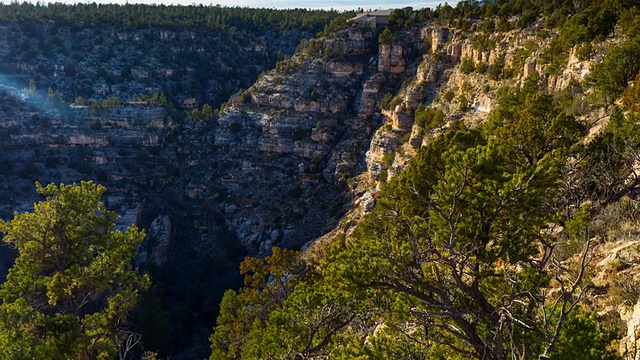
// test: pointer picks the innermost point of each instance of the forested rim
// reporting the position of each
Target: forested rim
(176, 17)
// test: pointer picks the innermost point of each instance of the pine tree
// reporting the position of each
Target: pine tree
(72, 284)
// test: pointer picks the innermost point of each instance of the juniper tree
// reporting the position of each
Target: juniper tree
(73, 283)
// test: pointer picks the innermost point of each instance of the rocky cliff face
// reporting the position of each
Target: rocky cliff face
(146, 156)
(468, 95)
(295, 135)
(122, 146)
(141, 151)
(285, 159)
(99, 62)
(272, 170)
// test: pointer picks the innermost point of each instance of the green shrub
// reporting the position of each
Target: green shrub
(463, 103)
(235, 125)
(467, 66)
(244, 97)
(584, 51)
(631, 96)
(621, 65)
(387, 159)
(298, 133)
(466, 87)
(428, 117)
(495, 71)
(585, 337)
(385, 102)
(30, 170)
(481, 68)
(449, 95)
(84, 167)
(395, 102)
(102, 175)
(384, 174)
(387, 37)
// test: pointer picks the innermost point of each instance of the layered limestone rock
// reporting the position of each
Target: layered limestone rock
(400, 119)
(384, 142)
(439, 37)
(160, 238)
(630, 343)
(304, 118)
(483, 103)
(517, 52)
(122, 147)
(314, 117)
(155, 247)
(391, 58)
(529, 67)
(576, 70)
(130, 214)
(115, 61)
(75, 140)
(344, 69)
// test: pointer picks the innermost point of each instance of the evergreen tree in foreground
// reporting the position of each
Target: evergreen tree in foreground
(73, 284)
